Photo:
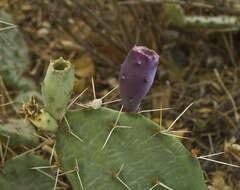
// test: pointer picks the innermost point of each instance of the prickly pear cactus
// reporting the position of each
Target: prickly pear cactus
(176, 16)
(104, 149)
(19, 132)
(14, 59)
(16, 174)
(141, 156)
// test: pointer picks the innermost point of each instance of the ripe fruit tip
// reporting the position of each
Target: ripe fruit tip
(136, 76)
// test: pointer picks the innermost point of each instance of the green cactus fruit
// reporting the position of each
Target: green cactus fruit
(16, 174)
(131, 146)
(14, 59)
(57, 87)
(19, 132)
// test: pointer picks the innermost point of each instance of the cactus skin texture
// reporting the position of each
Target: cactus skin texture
(19, 131)
(57, 87)
(144, 158)
(16, 174)
(136, 76)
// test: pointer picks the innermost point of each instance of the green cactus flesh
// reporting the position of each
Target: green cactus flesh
(16, 174)
(19, 132)
(144, 158)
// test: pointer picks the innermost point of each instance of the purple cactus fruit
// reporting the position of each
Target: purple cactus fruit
(136, 76)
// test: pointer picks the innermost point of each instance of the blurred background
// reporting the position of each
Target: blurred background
(199, 62)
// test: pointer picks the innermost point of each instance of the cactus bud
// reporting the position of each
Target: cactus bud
(136, 76)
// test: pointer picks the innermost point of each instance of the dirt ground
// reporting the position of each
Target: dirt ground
(200, 66)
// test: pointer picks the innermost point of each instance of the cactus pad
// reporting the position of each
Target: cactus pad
(177, 18)
(14, 59)
(19, 131)
(16, 174)
(141, 157)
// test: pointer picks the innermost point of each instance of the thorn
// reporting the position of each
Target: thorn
(118, 117)
(1, 153)
(180, 131)
(164, 133)
(68, 172)
(70, 130)
(109, 92)
(210, 155)
(33, 149)
(118, 178)
(93, 88)
(7, 23)
(195, 152)
(7, 27)
(148, 139)
(160, 119)
(74, 100)
(219, 162)
(179, 117)
(122, 182)
(161, 184)
(77, 171)
(153, 186)
(161, 109)
(43, 167)
(120, 170)
(125, 127)
(113, 101)
(52, 153)
(56, 180)
(53, 178)
(77, 137)
(114, 127)
(82, 105)
(158, 131)
(110, 133)
(39, 136)
(6, 147)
